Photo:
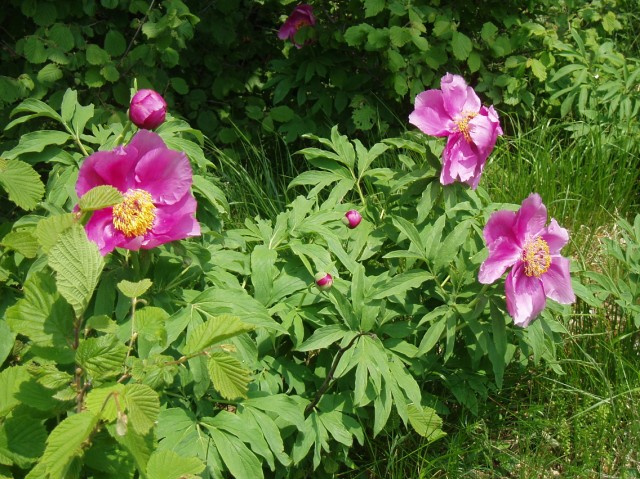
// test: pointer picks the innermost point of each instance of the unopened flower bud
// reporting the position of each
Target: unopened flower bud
(324, 281)
(352, 218)
(147, 109)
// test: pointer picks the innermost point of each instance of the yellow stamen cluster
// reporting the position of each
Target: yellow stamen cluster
(536, 257)
(463, 124)
(135, 215)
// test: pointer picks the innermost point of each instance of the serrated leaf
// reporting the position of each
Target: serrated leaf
(228, 375)
(425, 422)
(7, 338)
(11, 380)
(169, 465)
(101, 357)
(114, 43)
(134, 290)
(96, 55)
(538, 69)
(214, 330)
(50, 73)
(461, 45)
(282, 113)
(105, 401)
(140, 447)
(62, 37)
(44, 317)
(22, 183)
(21, 241)
(373, 7)
(22, 439)
(48, 229)
(67, 442)
(143, 407)
(78, 264)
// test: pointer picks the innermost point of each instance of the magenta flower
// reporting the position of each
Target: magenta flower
(301, 16)
(455, 111)
(147, 109)
(521, 240)
(158, 206)
(352, 218)
(324, 281)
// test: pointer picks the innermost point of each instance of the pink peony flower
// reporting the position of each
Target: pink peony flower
(352, 218)
(521, 240)
(301, 16)
(455, 111)
(324, 281)
(158, 206)
(147, 109)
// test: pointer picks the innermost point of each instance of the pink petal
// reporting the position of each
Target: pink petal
(525, 296)
(557, 281)
(503, 253)
(100, 230)
(500, 224)
(555, 236)
(168, 215)
(457, 96)
(460, 161)
(164, 173)
(483, 133)
(530, 218)
(113, 168)
(430, 116)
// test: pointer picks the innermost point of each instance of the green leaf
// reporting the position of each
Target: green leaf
(44, 317)
(100, 197)
(34, 50)
(373, 7)
(61, 36)
(67, 442)
(48, 229)
(214, 330)
(134, 290)
(50, 73)
(68, 107)
(169, 465)
(110, 72)
(101, 357)
(36, 142)
(105, 402)
(78, 264)
(239, 459)
(400, 283)
(96, 55)
(451, 244)
(538, 69)
(7, 338)
(21, 241)
(324, 337)
(11, 380)
(425, 422)
(263, 271)
(114, 43)
(22, 439)
(143, 407)
(212, 193)
(22, 183)
(228, 375)
(432, 336)
(461, 45)
(282, 113)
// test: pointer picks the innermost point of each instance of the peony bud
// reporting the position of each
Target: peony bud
(324, 281)
(147, 109)
(352, 218)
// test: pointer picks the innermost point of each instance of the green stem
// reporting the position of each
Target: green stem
(125, 130)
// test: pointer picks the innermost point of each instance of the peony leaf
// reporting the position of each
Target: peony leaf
(169, 465)
(134, 290)
(49, 229)
(238, 458)
(36, 142)
(21, 182)
(213, 331)
(21, 241)
(66, 442)
(228, 375)
(78, 264)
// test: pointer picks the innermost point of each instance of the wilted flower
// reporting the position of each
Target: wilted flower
(352, 218)
(158, 206)
(147, 109)
(455, 111)
(521, 240)
(324, 280)
(301, 16)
